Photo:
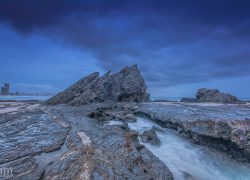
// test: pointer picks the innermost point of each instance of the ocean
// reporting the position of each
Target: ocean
(44, 98)
(22, 98)
(179, 98)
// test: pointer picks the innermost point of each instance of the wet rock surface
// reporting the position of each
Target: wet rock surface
(29, 134)
(62, 142)
(223, 127)
(109, 112)
(124, 86)
(150, 136)
(65, 142)
(98, 151)
(26, 133)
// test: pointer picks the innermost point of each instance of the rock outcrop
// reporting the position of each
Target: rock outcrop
(113, 112)
(124, 86)
(150, 136)
(214, 95)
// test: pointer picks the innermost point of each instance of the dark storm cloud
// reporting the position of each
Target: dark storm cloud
(173, 42)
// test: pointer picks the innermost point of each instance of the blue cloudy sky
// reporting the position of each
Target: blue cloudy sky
(179, 45)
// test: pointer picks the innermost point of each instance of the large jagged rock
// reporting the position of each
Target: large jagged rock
(214, 95)
(124, 86)
(73, 91)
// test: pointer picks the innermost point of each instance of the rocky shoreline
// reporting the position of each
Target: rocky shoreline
(93, 150)
(34, 130)
(76, 139)
(223, 127)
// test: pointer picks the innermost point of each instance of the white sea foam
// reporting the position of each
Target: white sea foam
(189, 161)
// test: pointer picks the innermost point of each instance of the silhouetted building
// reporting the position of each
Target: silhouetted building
(5, 89)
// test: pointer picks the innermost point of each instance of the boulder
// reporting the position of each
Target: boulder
(128, 117)
(124, 86)
(214, 95)
(150, 136)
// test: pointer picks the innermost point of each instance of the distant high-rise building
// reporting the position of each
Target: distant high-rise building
(5, 89)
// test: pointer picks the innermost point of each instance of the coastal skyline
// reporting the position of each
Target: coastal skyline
(178, 46)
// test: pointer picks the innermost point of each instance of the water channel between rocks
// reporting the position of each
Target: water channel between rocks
(187, 160)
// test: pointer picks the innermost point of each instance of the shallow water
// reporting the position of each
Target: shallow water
(179, 98)
(190, 161)
(22, 98)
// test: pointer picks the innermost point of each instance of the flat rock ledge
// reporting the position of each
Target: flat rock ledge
(62, 142)
(65, 142)
(222, 127)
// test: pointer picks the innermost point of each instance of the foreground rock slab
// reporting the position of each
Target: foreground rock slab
(62, 142)
(104, 151)
(27, 131)
(65, 142)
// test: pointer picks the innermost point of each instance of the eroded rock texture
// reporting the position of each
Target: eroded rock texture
(124, 86)
(62, 142)
(26, 131)
(220, 126)
(214, 95)
(150, 136)
(99, 151)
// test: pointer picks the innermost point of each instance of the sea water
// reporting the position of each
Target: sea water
(24, 98)
(187, 160)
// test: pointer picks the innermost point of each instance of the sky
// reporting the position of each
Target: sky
(178, 45)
